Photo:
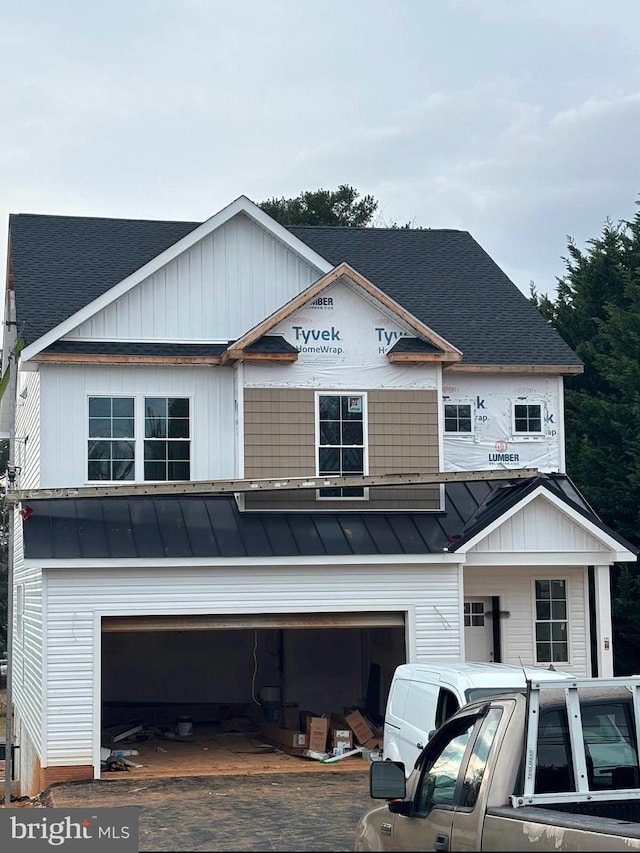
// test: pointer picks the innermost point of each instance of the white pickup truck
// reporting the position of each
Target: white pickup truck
(553, 768)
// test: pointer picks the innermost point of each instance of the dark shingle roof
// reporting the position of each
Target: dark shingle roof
(414, 346)
(271, 344)
(66, 347)
(212, 526)
(443, 277)
(448, 281)
(61, 263)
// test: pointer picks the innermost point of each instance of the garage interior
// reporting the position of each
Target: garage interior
(224, 675)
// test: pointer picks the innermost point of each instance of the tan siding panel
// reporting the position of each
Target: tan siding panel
(280, 442)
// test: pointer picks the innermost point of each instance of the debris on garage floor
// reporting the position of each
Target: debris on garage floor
(164, 741)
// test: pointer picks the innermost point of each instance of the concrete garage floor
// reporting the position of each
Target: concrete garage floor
(214, 753)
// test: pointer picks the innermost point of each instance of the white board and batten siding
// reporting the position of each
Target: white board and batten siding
(538, 529)
(77, 598)
(65, 390)
(27, 445)
(215, 291)
(515, 585)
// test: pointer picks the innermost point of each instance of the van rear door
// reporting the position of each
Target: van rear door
(419, 719)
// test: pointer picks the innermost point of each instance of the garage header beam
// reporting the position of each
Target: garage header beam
(254, 621)
(212, 487)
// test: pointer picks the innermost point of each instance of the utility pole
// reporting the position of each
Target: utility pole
(11, 362)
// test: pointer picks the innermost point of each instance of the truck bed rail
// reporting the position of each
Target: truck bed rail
(583, 792)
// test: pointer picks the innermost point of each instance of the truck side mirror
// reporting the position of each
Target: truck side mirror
(387, 780)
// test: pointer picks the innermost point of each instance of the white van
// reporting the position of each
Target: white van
(423, 695)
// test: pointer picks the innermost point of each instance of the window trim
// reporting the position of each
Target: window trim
(534, 614)
(365, 439)
(447, 401)
(528, 433)
(139, 435)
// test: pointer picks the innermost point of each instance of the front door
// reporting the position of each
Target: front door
(478, 630)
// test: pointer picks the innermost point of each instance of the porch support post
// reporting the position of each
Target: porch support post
(604, 628)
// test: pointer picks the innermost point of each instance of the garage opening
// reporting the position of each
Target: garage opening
(227, 674)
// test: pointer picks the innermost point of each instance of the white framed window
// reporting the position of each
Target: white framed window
(551, 622)
(138, 438)
(458, 418)
(111, 444)
(341, 440)
(474, 614)
(528, 418)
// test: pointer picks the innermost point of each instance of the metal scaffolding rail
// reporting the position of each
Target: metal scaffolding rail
(213, 487)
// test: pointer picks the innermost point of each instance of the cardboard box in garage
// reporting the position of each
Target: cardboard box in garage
(364, 734)
(287, 737)
(317, 730)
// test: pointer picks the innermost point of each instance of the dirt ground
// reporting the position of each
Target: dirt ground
(276, 812)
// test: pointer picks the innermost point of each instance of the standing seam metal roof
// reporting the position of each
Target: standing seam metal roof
(211, 526)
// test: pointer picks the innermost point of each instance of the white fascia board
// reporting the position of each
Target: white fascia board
(240, 205)
(211, 562)
(518, 559)
(609, 542)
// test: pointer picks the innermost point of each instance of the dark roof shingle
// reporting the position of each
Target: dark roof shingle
(442, 277)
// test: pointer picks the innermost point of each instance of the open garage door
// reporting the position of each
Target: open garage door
(218, 668)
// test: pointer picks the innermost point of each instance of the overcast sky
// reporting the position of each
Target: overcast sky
(516, 120)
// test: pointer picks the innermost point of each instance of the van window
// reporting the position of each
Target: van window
(447, 706)
(421, 705)
(398, 698)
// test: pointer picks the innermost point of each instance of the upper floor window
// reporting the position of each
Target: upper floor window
(551, 621)
(527, 418)
(139, 438)
(457, 417)
(341, 440)
(166, 438)
(111, 450)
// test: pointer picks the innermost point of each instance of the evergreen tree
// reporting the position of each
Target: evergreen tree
(597, 311)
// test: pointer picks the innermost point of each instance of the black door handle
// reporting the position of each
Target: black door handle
(420, 745)
(441, 842)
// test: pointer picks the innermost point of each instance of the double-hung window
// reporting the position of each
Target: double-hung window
(166, 438)
(552, 644)
(139, 438)
(111, 450)
(341, 440)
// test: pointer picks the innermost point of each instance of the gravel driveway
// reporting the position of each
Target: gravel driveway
(292, 811)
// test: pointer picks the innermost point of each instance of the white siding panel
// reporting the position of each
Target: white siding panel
(74, 597)
(27, 447)
(515, 587)
(27, 655)
(215, 291)
(64, 392)
(539, 526)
